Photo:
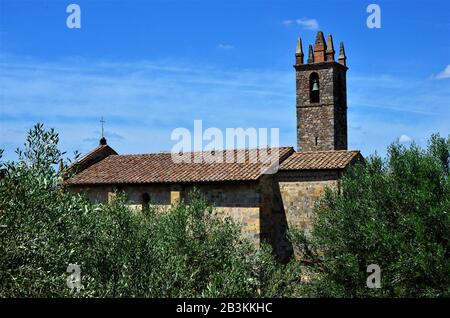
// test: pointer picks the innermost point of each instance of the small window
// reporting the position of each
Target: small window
(314, 88)
(216, 195)
(317, 141)
(145, 201)
(118, 188)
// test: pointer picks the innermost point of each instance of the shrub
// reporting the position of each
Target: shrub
(186, 251)
(394, 213)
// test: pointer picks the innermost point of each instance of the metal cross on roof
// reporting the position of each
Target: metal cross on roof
(102, 121)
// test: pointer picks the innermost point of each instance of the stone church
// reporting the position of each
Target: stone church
(266, 205)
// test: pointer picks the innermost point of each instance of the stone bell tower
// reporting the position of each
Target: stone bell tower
(321, 97)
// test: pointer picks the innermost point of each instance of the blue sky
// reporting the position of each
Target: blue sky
(151, 66)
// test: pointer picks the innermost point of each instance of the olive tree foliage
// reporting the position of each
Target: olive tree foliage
(186, 251)
(392, 212)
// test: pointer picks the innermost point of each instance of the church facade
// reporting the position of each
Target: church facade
(266, 204)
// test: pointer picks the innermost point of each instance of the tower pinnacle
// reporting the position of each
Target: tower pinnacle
(342, 59)
(299, 52)
(310, 55)
(330, 49)
(319, 48)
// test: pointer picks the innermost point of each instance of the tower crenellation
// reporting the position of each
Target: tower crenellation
(321, 97)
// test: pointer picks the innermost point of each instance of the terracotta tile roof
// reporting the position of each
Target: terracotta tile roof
(160, 168)
(319, 160)
(95, 155)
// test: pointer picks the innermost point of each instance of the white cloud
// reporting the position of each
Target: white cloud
(309, 24)
(305, 23)
(405, 139)
(389, 106)
(444, 74)
(225, 46)
(406, 95)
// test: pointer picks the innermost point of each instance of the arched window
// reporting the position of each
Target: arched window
(314, 88)
(145, 201)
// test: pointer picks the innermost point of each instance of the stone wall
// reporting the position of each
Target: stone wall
(159, 194)
(340, 110)
(300, 191)
(240, 200)
(297, 193)
(266, 209)
(274, 224)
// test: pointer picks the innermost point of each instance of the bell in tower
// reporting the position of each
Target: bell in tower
(315, 87)
(321, 97)
(314, 93)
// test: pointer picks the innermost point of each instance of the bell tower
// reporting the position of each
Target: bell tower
(321, 96)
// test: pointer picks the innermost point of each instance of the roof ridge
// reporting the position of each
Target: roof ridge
(92, 151)
(204, 151)
(324, 151)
